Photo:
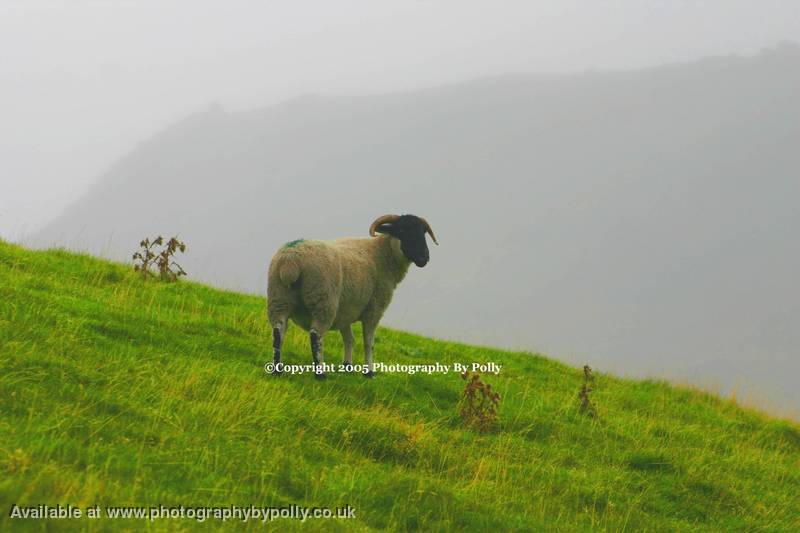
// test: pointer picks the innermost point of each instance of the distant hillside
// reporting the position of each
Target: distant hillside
(642, 221)
(115, 392)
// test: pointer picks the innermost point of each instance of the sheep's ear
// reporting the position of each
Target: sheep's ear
(387, 229)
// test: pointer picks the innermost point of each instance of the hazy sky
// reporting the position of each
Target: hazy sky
(81, 82)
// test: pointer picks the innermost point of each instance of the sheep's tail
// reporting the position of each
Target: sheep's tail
(288, 272)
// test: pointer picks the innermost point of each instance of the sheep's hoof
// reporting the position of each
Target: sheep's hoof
(369, 374)
(320, 376)
(277, 372)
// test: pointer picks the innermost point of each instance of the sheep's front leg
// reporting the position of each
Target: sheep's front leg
(316, 353)
(347, 340)
(369, 338)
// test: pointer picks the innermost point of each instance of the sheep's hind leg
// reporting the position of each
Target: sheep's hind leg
(278, 334)
(347, 340)
(316, 353)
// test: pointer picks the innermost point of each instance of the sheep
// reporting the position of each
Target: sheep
(324, 285)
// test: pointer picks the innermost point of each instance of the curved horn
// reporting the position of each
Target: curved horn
(429, 230)
(381, 220)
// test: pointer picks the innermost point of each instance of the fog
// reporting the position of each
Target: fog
(612, 182)
(82, 82)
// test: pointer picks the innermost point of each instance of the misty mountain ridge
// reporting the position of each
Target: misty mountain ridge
(640, 221)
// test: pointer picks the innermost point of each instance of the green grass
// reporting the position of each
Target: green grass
(118, 392)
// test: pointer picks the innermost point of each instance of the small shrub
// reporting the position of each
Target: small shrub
(588, 381)
(478, 405)
(145, 257)
(148, 257)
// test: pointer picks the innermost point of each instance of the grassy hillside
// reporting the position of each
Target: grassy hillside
(116, 392)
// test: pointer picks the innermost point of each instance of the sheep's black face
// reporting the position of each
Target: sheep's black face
(410, 230)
